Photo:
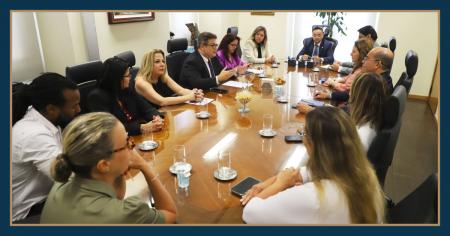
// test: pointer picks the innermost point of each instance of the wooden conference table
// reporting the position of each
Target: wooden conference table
(208, 200)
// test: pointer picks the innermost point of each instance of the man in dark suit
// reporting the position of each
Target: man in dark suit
(321, 50)
(202, 69)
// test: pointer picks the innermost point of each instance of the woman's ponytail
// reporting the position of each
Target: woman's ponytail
(61, 168)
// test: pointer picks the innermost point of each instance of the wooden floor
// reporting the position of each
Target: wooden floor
(416, 154)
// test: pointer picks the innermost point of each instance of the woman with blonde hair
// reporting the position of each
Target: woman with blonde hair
(98, 151)
(256, 48)
(154, 84)
(337, 186)
(367, 98)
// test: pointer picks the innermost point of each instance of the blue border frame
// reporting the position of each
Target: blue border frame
(8, 5)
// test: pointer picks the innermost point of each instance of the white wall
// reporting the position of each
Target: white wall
(139, 37)
(217, 23)
(62, 39)
(417, 31)
(26, 57)
(78, 38)
(276, 30)
(178, 20)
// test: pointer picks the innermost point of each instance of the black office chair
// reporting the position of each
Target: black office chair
(84, 72)
(234, 30)
(420, 206)
(381, 150)
(85, 88)
(86, 76)
(407, 77)
(131, 59)
(392, 43)
(176, 57)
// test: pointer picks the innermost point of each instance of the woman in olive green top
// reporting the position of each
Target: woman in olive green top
(96, 148)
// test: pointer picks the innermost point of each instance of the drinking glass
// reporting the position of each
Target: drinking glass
(183, 178)
(179, 158)
(148, 134)
(267, 123)
(224, 165)
(204, 113)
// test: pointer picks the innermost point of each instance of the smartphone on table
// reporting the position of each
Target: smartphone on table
(293, 138)
(242, 187)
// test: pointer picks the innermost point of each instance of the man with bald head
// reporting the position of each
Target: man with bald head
(379, 60)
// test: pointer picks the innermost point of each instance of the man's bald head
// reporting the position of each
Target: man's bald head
(385, 56)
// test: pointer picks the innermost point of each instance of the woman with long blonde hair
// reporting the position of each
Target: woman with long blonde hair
(337, 186)
(154, 84)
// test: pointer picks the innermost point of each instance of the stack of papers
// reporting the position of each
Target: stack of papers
(255, 71)
(237, 84)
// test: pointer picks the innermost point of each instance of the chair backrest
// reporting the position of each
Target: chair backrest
(407, 77)
(420, 206)
(175, 45)
(392, 43)
(334, 41)
(401, 81)
(85, 72)
(131, 59)
(234, 30)
(381, 150)
(176, 57)
(85, 88)
(411, 63)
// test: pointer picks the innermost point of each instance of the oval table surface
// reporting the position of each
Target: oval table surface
(208, 200)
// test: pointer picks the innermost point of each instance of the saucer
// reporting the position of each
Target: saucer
(186, 168)
(270, 133)
(282, 100)
(148, 145)
(202, 115)
(232, 175)
(311, 84)
(316, 69)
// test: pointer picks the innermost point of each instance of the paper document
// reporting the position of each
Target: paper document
(237, 84)
(255, 71)
(203, 102)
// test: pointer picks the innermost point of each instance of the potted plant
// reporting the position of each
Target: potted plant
(333, 19)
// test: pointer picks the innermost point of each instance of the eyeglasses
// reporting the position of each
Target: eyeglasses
(126, 76)
(367, 59)
(130, 145)
(233, 45)
(213, 45)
